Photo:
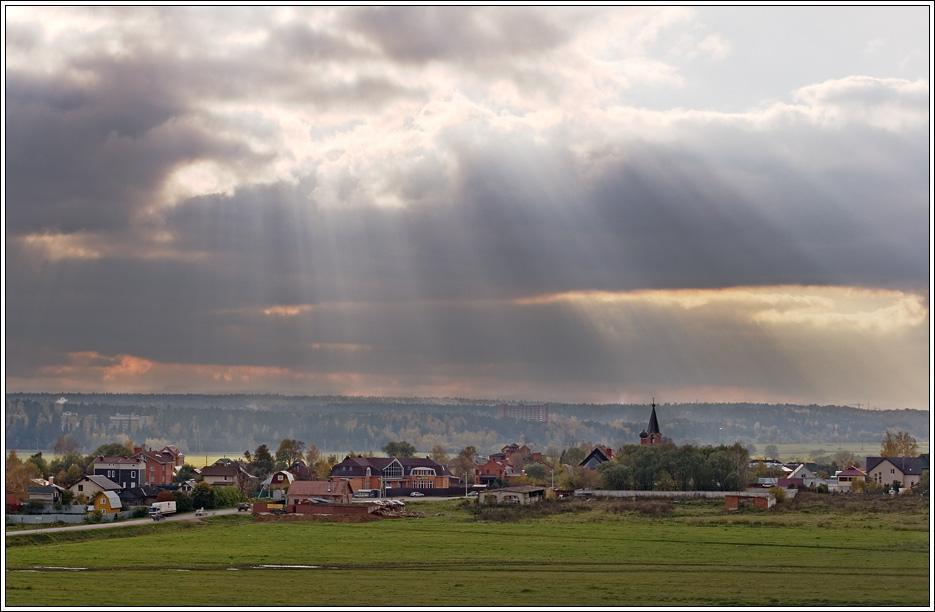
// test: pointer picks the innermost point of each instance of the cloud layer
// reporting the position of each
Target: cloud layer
(441, 200)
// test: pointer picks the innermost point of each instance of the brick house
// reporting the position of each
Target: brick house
(493, 469)
(302, 491)
(408, 472)
(160, 467)
(847, 476)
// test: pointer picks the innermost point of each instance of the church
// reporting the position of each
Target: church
(652, 435)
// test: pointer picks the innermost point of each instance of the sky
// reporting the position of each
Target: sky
(595, 204)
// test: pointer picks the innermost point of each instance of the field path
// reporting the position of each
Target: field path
(186, 516)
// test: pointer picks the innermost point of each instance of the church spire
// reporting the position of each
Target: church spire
(653, 421)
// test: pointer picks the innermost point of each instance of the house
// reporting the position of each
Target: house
(906, 471)
(802, 471)
(48, 494)
(160, 466)
(178, 457)
(523, 495)
(188, 486)
(303, 491)
(227, 474)
(128, 472)
(390, 472)
(137, 496)
(600, 454)
(492, 470)
(282, 479)
(847, 476)
(91, 485)
(301, 471)
(106, 502)
(651, 435)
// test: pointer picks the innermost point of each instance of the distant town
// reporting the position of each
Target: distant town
(118, 480)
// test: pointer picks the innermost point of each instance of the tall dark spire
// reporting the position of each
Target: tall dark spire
(653, 422)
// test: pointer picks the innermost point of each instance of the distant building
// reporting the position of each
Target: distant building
(125, 471)
(525, 412)
(107, 502)
(306, 491)
(227, 474)
(89, 486)
(512, 495)
(392, 472)
(651, 435)
(906, 471)
(600, 454)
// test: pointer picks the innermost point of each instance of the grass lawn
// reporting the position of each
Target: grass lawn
(598, 554)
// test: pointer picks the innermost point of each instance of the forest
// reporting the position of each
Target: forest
(233, 423)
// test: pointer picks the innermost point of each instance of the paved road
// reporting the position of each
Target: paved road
(187, 516)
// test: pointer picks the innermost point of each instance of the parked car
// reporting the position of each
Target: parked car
(416, 494)
(472, 494)
(243, 507)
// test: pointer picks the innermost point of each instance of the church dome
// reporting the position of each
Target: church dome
(643, 434)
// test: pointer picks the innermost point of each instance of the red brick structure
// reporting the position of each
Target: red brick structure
(304, 491)
(391, 473)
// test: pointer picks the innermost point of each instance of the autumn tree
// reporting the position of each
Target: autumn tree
(439, 455)
(464, 462)
(900, 444)
(18, 475)
(312, 455)
(289, 452)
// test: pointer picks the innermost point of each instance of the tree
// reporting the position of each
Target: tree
(399, 449)
(312, 455)
(64, 445)
(41, 464)
(463, 464)
(899, 445)
(113, 449)
(573, 456)
(203, 496)
(263, 462)
(186, 472)
(439, 455)
(537, 472)
(289, 452)
(18, 475)
(322, 467)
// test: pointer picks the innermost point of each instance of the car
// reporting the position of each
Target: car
(242, 507)
(200, 512)
(471, 494)
(416, 494)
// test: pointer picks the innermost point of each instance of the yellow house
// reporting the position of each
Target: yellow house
(106, 502)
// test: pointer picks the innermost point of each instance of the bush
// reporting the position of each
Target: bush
(140, 512)
(779, 493)
(822, 488)
(94, 517)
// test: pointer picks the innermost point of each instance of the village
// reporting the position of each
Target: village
(154, 482)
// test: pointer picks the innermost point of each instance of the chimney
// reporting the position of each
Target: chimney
(51, 480)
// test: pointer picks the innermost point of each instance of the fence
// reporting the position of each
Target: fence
(790, 493)
(71, 518)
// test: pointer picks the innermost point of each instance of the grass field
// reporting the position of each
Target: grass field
(808, 450)
(815, 551)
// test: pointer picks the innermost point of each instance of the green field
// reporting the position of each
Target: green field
(808, 450)
(599, 553)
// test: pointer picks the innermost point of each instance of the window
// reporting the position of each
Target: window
(81, 487)
(393, 470)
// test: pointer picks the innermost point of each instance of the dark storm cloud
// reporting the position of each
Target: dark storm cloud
(89, 157)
